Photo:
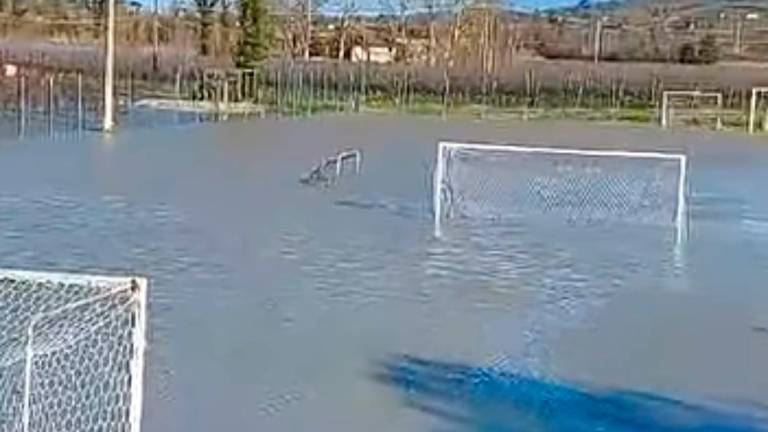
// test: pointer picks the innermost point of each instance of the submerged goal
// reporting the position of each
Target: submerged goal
(71, 352)
(510, 182)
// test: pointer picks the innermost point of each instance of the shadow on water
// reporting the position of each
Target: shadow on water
(483, 399)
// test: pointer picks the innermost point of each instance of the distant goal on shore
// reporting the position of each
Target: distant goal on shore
(758, 110)
(691, 107)
(497, 182)
(71, 352)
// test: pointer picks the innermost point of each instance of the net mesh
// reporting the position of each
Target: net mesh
(483, 184)
(83, 347)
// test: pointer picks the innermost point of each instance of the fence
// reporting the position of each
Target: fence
(45, 100)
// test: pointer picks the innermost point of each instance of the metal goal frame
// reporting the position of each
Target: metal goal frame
(666, 111)
(757, 93)
(137, 286)
(443, 147)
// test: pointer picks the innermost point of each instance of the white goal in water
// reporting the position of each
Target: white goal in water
(71, 352)
(497, 182)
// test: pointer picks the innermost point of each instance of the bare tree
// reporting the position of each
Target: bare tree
(296, 24)
(347, 9)
(456, 8)
(399, 32)
(308, 35)
(225, 24)
(205, 10)
(431, 8)
(155, 36)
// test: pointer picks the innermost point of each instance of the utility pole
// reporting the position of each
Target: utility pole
(598, 39)
(738, 37)
(309, 29)
(432, 41)
(155, 38)
(108, 121)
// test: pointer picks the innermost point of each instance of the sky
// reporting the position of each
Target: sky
(543, 4)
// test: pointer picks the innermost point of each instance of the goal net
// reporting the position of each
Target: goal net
(504, 182)
(71, 352)
(692, 108)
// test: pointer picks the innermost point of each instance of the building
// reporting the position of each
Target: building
(373, 54)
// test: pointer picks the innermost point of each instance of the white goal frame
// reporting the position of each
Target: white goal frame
(356, 155)
(137, 285)
(444, 146)
(757, 93)
(666, 113)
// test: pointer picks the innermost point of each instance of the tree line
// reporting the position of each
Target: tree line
(480, 34)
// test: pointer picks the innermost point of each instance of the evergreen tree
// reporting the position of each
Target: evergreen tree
(255, 33)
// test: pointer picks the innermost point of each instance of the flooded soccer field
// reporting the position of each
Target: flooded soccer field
(281, 306)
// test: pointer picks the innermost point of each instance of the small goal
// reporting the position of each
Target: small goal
(691, 107)
(475, 181)
(71, 352)
(758, 109)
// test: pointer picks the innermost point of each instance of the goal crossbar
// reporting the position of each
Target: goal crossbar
(681, 159)
(560, 150)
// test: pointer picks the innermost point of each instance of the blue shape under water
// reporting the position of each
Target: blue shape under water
(481, 399)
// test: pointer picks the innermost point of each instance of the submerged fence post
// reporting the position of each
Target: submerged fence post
(278, 93)
(177, 85)
(129, 102)
(311, 91)
(225, 95)
(325, 86)
(80, 117)
(49, 106)
(22, 105)
(294, 109)
(216, 100)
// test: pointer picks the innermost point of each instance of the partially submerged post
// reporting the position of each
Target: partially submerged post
(129, 102)
(22, 104)
(49, 106)
(225, 94)
(178, 83)
(80, 119)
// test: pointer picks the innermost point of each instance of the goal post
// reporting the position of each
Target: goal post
(693, 97)
(758, 94)
(478, 181)
(72, 351)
